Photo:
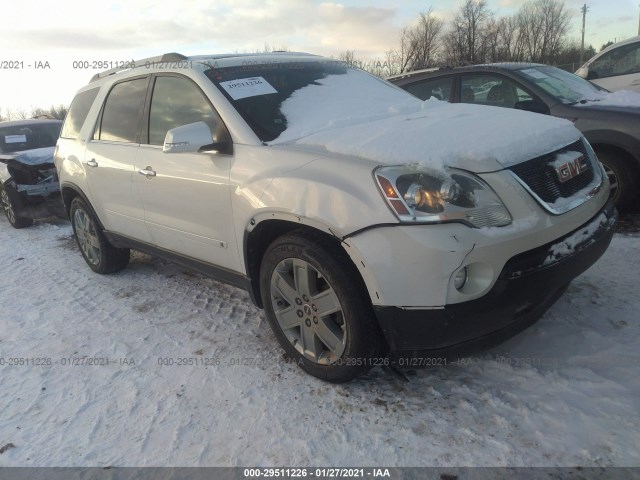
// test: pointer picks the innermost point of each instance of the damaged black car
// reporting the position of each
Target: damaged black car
(29, 185)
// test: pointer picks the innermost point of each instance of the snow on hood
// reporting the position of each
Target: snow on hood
(37, 156)
(350, 119)
(621, 98)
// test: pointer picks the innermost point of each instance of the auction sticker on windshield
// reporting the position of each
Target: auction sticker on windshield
(532, 72)
(15, 138)
(247, 87)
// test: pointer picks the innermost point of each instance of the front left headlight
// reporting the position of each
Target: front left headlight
(419, 196)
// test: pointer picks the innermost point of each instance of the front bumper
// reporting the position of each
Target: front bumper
(527, 286)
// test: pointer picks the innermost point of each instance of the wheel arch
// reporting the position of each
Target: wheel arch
(261, 234)
(618, 150)
(70, 191)
(617, 142)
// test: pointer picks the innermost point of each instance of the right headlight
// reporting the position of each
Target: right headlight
(418, 196)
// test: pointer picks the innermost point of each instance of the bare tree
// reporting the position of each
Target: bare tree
(537, 33)
(467, 41)
(59, 112)
(17, 114)
(543, 26)
(391, 59)
(424, 40)
(608, 44)
(54, 112)
(349, 57)
(419, 45)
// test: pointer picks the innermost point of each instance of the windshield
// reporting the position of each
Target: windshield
(564, 86)
(303, 97)
(27, 136)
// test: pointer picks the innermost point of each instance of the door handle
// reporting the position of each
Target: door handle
(147, 172)
(92, 163)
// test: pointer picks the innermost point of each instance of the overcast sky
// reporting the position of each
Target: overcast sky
(63, 31)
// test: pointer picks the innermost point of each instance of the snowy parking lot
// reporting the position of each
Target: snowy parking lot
(158, 366)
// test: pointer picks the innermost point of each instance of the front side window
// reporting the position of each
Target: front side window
(490, 89)
(623, 60)
(439, 88)
(178, 101)
(78, 113)
(123, 111)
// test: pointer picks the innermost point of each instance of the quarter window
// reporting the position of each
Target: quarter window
(123, 111)
(177, 101)
(78, 113)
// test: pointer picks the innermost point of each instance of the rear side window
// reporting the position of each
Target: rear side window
(178, 101)
(435, 87)
(78, 113)
(122, 111)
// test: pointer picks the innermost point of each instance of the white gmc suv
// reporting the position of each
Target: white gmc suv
(368, 225)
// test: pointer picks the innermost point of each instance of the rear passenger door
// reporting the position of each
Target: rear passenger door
(187, 201)
(110, 159)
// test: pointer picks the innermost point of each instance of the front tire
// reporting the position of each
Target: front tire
(100, 255)
(12, 206)
(623, 178)
(318, 308)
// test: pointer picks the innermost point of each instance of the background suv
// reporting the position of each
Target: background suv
(616, 67)
(612, 127)
(352, 212)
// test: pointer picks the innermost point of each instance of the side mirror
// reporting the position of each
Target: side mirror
(534, 106)
(194, 138)
(583, 72)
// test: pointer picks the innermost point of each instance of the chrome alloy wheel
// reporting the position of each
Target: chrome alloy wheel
(7, 207)
(308, 311)
(87, 236)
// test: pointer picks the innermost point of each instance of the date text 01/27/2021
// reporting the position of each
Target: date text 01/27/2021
(316, 473)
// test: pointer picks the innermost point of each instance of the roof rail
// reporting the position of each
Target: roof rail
(167, 57)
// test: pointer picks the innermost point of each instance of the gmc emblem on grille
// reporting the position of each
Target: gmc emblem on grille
(572, 168)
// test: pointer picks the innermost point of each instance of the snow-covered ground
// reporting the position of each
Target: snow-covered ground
(566, 392)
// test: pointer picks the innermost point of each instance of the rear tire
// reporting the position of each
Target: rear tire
(318, 308)
(623, 177)
(12, 206)
(100, 255)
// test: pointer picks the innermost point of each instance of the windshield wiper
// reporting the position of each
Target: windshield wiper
(585, 100)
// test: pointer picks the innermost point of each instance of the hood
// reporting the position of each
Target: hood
(604, 108)
(622, 101)
(37, 156)
(437, 134)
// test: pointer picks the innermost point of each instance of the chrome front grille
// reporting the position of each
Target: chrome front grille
(557, 185)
